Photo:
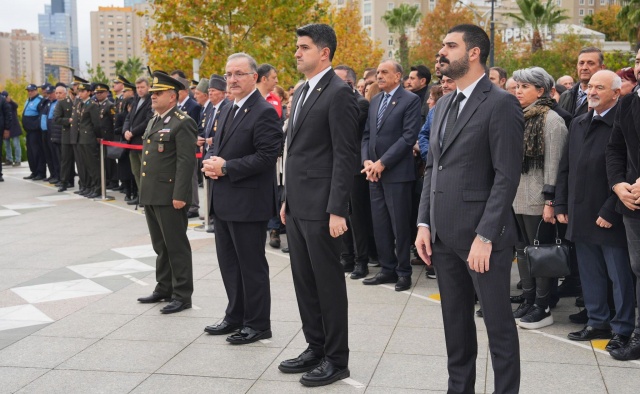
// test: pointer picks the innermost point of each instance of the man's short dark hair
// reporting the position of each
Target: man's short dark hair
(370, 73)
(474, 37)
(593, 50)
(502, 73)
(351, 74)
(323, 36)
(180, 73)
(423, 72)
(264, 70)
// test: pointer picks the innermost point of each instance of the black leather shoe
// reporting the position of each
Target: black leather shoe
(347, 264)
(79, 191)
(519, 299)
(248, 335)
(381, 278)
(326, 373)
(38, 178)
(616, 342)
(211, 229)
(84, 192)
(306, 361)
(588, 333)
(222, 328)
(53, 181)
(570, 287)
(192, 214)
(154, 297)
(479, 313)
(62, 189)
(579, 302)
(285, 250)
(133, 201)
(361, 270)
(31, 176)
(95, 194)
(631, 351)
(403, 283)
(579, 318)
(175, 306)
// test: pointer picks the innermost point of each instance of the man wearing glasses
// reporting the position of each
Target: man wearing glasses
(165, 187)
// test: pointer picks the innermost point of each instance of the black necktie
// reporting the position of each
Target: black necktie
(303, 95)
(452, 117)
(228, 121)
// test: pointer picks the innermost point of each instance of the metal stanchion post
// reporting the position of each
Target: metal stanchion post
(103, 181)
(205, 225)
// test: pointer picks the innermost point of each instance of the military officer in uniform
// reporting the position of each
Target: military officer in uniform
(165, 187)
(107, 122)
(62, 116)
(88, 120)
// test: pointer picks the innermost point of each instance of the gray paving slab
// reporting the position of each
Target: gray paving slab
(223, 361)
(172, 328)
(42, 352)
(540, 377)
(84, 325)
(84, 382)
(270, 387)
(620, 380)
(13, 379)
(17, 334)
(426, 341)
(178, 384)
(123, 356)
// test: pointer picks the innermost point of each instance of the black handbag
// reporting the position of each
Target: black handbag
(114, 152)
(548, 261)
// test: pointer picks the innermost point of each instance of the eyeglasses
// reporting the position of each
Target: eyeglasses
(235, 75)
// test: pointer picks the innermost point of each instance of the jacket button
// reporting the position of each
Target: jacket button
(146, 152)
(148, 141)
(145, 163)
(440, 168)
(143, 174)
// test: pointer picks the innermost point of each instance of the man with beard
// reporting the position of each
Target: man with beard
(466, 224)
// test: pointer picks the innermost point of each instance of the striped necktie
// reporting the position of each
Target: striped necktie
(383, 107)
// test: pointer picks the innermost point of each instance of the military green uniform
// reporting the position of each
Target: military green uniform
(88, 114)
(61, 116)
(107, 123)
(168, 160)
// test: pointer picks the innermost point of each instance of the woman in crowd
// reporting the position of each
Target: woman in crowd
(628, 80)
(545, 135)
(12, 137)
(371, 90)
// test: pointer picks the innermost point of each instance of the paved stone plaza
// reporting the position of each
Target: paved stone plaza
(71, 270)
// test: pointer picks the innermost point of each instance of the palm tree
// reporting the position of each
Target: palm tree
(629, 17)
(131, 69)
(399, 20)
(538, 16)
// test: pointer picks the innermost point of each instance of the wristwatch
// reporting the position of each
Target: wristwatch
(550, 203)
(224, 168)
(484, 239)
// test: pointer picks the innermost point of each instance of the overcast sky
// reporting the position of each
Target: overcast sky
(23, 14)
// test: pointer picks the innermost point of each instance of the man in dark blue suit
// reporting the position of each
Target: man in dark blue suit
(241, 163)
(389, 135)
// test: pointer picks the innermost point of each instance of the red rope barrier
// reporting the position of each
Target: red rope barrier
(134, 147)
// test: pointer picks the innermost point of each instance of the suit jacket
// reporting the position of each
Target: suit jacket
(623, 164)
(193, 109)
(566, 116)
(393, 142)
(138, 119)
(250, 146)
(470, 183)
(107, 119)
(5, 115)
(61, 116)
(205, 117)
(582, 189)
(568, 101)
(321, 151)
(168, 159)
(88, 114)
(363, 115)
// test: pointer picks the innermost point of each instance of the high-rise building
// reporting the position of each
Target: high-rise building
(131, 3)
(21, 57)
(117, 33)
(59, 29)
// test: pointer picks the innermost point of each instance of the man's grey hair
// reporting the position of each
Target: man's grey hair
(395, 64)
(241, 55)
(62, 88)
(141, 80)
(536, 76)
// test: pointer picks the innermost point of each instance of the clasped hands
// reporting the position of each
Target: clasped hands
(212, 167)
(629, 194)
(373, 170)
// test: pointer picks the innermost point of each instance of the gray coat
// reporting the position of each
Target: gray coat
(530, 198)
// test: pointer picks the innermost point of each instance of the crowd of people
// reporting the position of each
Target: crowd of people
(357, 172)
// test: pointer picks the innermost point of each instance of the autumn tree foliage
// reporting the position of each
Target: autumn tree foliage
(265, 29)
(604, 20)
(355, 47)
(433, 29)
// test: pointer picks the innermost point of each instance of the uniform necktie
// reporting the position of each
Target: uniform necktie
(452, 117)
(303, 96)
(383, 107)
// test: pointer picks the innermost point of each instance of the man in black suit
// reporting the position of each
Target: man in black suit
(135, 125)
(241, 163)
(389, 135)
(623, 172)
(321, 159)
(355, 250)
(467, 228)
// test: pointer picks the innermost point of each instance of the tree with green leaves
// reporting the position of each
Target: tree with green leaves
(399, 20)
(537, 15)
(629, 17)
(605, 21)
(131, 69)
(96, 75)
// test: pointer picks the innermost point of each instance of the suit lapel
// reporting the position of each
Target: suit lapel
(438, 120)
(393, 101)
(240, 115)
(635, 103)
(311, 99)
(470, 107)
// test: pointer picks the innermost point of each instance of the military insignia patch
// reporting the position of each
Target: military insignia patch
(160, 148)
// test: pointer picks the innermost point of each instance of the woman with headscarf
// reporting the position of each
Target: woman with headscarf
(545, 135)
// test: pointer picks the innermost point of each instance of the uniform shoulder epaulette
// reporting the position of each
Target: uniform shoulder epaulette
(179, 114)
